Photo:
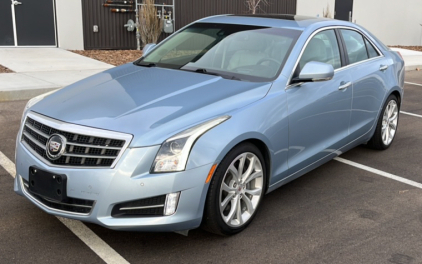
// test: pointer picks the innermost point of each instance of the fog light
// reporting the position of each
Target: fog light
(170, 206)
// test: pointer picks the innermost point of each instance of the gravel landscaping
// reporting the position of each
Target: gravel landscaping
(415, 48)
(113, 57)
(4, 69)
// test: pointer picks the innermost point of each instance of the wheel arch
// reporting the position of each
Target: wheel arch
(398, 96)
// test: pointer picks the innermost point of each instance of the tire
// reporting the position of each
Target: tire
(387, 125)
(240, 198)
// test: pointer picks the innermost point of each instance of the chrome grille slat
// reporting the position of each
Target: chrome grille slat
(91, 146)
(38, 131)
(89, 156)
(83, 147)
(33, 139)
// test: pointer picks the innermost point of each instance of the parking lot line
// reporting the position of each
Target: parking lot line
(95, 243)
(417, 84)
(407, 113)
(8, 165)
(379, 172)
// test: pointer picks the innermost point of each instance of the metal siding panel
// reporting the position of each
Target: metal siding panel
(6, 24)
(112, 34)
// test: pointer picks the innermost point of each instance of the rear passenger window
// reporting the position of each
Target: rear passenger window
(323, 47)
(355, 46)
(371, 50)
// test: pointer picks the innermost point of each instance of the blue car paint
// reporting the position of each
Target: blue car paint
(147, 106)
(141, 102)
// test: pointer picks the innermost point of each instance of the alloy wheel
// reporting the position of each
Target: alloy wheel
(241, 189)
(389, 122)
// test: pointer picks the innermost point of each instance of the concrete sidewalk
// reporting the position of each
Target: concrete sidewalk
(39, 70)
(412, 59)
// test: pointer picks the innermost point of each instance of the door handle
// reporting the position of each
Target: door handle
(383, 67)
(344, 86)
(16, 2)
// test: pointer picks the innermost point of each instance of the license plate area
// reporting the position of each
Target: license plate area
(47, 184)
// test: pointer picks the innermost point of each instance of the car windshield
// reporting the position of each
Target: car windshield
(237, 52)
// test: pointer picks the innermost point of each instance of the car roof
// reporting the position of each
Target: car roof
(276, 20)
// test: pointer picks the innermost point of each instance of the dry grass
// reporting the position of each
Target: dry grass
(113, 57)
(4, 69)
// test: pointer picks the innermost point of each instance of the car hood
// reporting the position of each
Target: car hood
(150, 103)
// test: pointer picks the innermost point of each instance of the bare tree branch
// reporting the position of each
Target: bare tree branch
(253, 5)
(150, 25)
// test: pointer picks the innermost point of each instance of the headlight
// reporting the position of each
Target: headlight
(173, 154)
(35, 100)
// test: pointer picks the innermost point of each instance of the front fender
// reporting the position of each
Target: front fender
(265, 120)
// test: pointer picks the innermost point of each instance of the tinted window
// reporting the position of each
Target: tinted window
(371, 50)
(355, 46)
(323, 47)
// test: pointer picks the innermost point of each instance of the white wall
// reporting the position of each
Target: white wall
(314, 7)
(69, 24)
(393, 22)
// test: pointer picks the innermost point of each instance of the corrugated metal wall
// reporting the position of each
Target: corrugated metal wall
(188, 11)
(111, 31)
(113, 35)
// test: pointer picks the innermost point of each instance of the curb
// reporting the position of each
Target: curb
(412, 67)
(26, 94)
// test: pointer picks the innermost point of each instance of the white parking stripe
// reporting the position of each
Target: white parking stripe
(413, 83)
(101, 248)
(7, 164)
(381, 173)
(407, 113)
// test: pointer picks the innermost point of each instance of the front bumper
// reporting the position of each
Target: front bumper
(129, 180)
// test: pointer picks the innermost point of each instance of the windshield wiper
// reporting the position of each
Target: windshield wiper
(146, 64)
(204, 71)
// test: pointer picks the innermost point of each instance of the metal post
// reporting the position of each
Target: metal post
(138, 34)
(174, 17)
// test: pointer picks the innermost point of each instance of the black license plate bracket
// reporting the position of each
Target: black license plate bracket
(47, 184)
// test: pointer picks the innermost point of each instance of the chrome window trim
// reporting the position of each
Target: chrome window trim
(35, 200)
(288, 85)
(77, 129)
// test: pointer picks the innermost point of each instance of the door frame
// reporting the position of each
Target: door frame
(15, 35)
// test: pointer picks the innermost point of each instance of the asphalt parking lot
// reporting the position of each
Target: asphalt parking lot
(337, 213)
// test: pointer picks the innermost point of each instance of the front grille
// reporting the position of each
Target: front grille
(153, 206)
(72, 205)
(81, 150)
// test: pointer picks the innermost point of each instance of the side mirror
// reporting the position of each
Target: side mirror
(148, 47)
(315, 72)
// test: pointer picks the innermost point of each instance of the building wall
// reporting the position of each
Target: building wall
(393, 22)
(314, 7)
(188, 11)
(69, 24)
(112, 34)
(111, 31)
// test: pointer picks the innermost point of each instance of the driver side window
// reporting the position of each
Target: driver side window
(323, 47)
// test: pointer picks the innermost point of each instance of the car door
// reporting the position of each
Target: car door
(368, 69)
(319, 112)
